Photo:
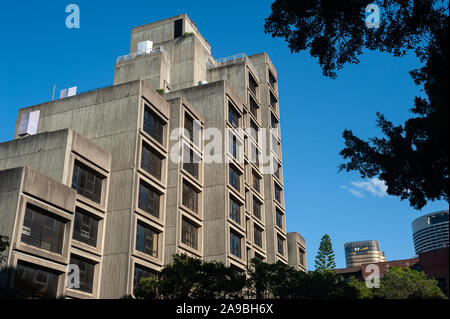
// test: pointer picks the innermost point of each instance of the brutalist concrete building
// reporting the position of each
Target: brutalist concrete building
(171, 158)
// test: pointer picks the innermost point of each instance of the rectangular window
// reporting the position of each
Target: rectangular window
(235, 210)
(280, 245)
(256, 208)
(273, 121)
(177, 28)
(190, 162)
(149, 200)
(141, 272)
(275, 145)
(256, 182)
(87, 182)
(234, 177)
(234, 147)
(273, 101)
(190, 197)
(233, 115)
(276, 168)
(235, 244)
(85, 227)
(151, 161)
(189, 126)
(252, 84)
(42, 231)
(258, 236)
(153, 125)
(254, 107)
(246, 199)
(272, 80)
(254, 154)
(86, 273)
(254, 129)
(189, 234)
(279, 218)
(277, 193)
(301, 255)
(146, 240)
(35, 282)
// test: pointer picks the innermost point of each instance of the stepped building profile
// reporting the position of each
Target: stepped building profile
(182, 154)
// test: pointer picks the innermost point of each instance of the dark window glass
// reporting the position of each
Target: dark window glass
(234, 179)
(178, 28)
(85, 227)
(151, 161)
(235, 210)
(253, 107)
(233, 148)
(254, 130)
(256, 208)
(190, 197)
(233, 115)
(189, 234)
(191, 162)
(146, 240)
(153, 125)
(252, 84)
(276, 169)
(87, 182)
(258, 236)
(235, 244)
(273, 121)
(41, 230)
(280, 245)
(277, 193)
(438, 218)
(254, 153)
(273, 101)
(148, 200)
(189, 126)
(275, 145)
(256, 182)
(86, 273)
(272, 80)
(279, 219)
(35, 282)
(301, 256)
(141, 272)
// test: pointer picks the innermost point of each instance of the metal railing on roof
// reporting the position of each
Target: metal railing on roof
(226, 60)
(131, 56)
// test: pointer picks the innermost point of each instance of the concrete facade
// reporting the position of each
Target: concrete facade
(144, 145)
(296, 251)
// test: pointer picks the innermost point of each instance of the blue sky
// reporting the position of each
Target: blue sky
(38, 50)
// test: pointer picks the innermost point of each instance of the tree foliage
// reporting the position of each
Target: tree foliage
(325, 256)
(190, 278)
(399, 283)
(411, 158)
(4, 243)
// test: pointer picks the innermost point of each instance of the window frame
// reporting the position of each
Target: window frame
(80, 211)
(154, 239)
(43, 215)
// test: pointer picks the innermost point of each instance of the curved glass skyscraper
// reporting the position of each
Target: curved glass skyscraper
(430, 231)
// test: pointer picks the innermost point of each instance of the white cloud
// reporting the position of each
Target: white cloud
(352, 191)
(374, 186)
